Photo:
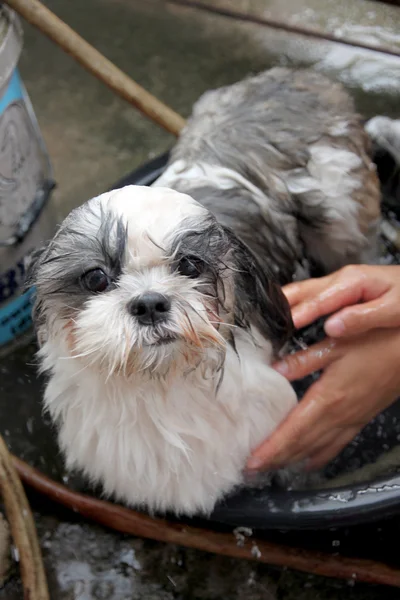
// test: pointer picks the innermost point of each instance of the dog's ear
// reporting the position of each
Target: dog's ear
(32, 268)
(32, 265)
(259, 300)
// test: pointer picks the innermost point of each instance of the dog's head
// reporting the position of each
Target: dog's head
(139, 279)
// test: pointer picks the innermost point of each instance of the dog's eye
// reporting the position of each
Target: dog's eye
(190, 266)
(96, 280)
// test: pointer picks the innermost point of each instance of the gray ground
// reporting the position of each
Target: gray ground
(95, 138)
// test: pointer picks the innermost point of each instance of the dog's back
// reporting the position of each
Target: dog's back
(284, 160)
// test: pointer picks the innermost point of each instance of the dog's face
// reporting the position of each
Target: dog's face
(139, 279)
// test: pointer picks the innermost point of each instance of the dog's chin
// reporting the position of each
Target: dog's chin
(174, 353)
(166, 340)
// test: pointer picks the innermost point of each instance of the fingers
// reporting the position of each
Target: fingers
(315, 298)
(282, 444)
(319, 457)
(380, 313)
(292, 444)
(324, 303)
(299, 291)
(303, 363)
(313, 444)
(301, 428)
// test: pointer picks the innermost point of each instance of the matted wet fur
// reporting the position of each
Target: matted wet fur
(284, 160)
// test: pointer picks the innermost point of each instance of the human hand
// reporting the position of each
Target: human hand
(349, 393)
(366, 297)
(361, 377)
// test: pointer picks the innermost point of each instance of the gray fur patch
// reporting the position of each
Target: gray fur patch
(89, 238)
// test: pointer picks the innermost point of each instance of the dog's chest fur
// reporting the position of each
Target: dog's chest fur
(180, 441)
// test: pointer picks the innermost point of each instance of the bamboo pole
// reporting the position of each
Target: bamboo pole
(94, 62)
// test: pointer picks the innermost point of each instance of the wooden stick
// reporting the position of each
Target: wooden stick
(22, 529)
(139, 524)
(92, 60)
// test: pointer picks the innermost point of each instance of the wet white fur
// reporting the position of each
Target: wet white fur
(385, 132)
(331, 171)
(207, 174)
(167, 443)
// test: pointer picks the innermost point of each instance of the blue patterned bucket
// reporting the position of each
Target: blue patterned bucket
(25, 186)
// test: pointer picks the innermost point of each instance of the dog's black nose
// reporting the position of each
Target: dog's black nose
(150, 308)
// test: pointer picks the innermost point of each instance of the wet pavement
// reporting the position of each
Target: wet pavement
(94, 139)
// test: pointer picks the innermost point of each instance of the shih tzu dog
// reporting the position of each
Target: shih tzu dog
(159, 311)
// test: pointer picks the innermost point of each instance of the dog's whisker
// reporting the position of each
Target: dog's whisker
(185, 303)
(223, 324)
(81, 355)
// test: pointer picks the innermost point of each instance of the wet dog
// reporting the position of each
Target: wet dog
(159, 310)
